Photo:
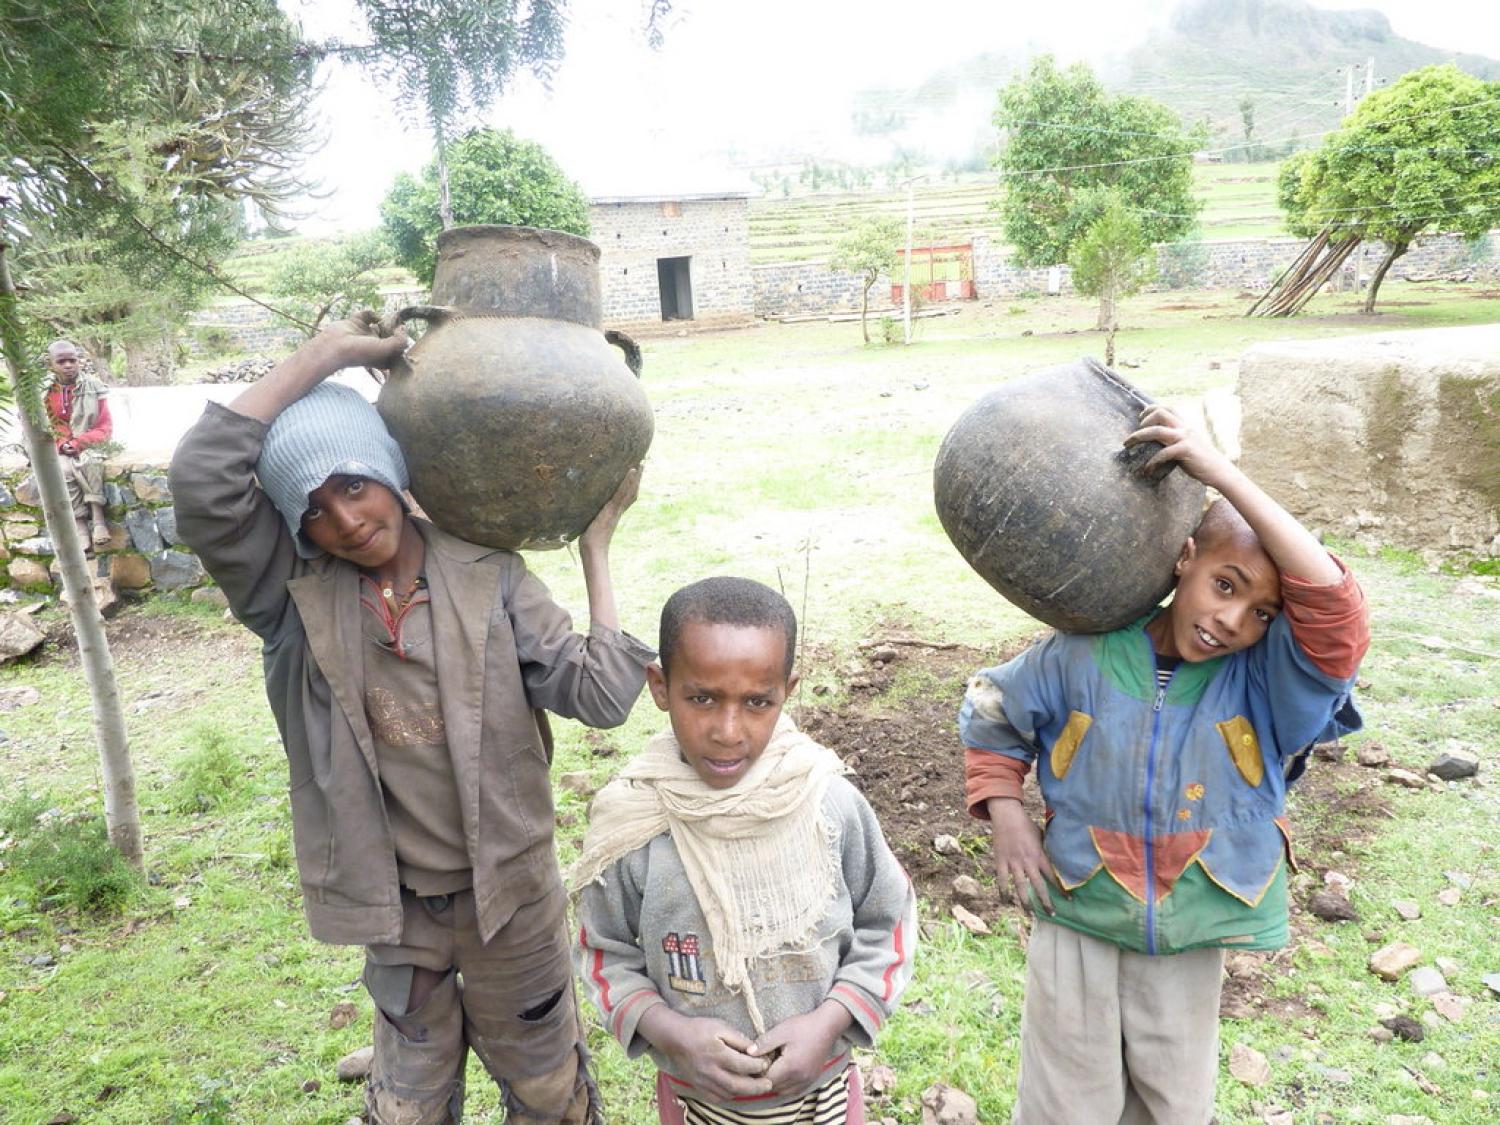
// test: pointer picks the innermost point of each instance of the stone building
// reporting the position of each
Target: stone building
(681, 254)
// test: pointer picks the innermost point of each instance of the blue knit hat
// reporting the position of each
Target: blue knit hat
(329, 431)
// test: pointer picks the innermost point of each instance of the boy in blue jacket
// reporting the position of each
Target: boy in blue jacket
(1163, 752)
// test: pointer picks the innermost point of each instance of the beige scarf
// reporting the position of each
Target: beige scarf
(758, 856)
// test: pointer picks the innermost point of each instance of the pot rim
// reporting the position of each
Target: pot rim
(504, 233)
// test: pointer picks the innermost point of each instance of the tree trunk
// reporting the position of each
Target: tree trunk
(1396, 250)
(1106, 321)
(121, 814)
(864, 311)
(445, 201)
(1109, 349)
(151, 362)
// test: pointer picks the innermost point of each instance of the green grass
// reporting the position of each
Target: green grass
(795, 455)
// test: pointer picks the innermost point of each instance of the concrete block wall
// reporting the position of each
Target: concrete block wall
(713, 233)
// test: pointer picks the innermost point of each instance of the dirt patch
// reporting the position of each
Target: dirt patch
(899, 733)
(144, 639)
(1182, 307)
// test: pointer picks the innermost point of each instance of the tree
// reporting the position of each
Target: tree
(496, 177)
(1109, 260)
(1066, 139)
(130, 131)
(127, 198)
(1250, 151)
(868, 250)
(1417, 155)
(319, 283)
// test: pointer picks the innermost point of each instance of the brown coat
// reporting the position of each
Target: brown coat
(504, 648)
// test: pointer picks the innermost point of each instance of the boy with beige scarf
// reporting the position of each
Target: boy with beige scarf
(740, 914)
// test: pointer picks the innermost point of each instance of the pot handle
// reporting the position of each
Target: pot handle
(388, 324)
(1136, 456)
(631, 349)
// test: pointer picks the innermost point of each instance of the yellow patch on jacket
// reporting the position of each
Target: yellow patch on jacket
(1068, 742)
(1244, 748)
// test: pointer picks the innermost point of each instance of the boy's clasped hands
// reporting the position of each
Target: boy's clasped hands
(718, 1060)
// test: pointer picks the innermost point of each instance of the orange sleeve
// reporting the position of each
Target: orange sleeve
(1330, 623)
(986, 775)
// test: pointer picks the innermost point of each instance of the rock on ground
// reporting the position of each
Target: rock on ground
(1404, 1027)
(1332, 907)
(948, 1105)
(970, 921)
(1390, 961)
(355, 1066)
(1372, 755)
(1427, 981)
(19, 635)
(1451, 765)
(1248, 1065)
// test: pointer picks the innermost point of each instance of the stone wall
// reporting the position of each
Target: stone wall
(713, 233)
(144, 554)
(808, 288)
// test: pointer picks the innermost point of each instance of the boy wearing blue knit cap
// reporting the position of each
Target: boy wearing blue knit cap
(409, 672)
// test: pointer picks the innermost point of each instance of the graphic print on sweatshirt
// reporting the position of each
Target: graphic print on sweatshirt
(685, 963)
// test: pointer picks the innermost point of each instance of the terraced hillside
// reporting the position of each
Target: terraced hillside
(1239, 202)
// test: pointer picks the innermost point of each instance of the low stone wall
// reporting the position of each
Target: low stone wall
(811, 288)
(144, 554)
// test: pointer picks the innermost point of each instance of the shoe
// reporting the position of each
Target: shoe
(100, 535)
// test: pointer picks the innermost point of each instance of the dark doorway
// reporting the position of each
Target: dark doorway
(676, 284)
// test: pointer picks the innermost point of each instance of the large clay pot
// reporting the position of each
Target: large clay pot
(1037, 492)
(517, 416)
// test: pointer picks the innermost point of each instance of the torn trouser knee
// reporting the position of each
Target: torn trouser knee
(417, 1074)
(566, 1095)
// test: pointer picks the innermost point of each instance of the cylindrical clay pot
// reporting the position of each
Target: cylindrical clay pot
(1038, 494)
(517, 417)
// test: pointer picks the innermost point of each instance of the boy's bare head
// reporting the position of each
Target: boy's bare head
(1228, 590)
(725, 673)
(726, 601)
(1222, 524)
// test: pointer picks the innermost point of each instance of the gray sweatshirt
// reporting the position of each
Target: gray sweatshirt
(643, 941)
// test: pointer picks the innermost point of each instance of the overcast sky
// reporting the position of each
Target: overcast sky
(732, 73)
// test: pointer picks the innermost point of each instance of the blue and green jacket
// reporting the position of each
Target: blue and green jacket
(1165, 805)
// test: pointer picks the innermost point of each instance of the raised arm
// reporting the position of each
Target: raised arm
(1291, 546)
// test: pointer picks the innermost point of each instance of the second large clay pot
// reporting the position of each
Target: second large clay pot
(1036, 490)
(517, 416)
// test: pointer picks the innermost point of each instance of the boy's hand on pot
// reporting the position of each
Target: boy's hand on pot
(799, 1047)
(1193, 452)
(1020, 861)
(353, 342)
(602, 528)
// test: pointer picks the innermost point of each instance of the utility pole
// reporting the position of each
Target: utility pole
(906, 279)
(1369, 76)
(1349, 91)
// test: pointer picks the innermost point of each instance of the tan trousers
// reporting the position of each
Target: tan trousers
(1109, 1036)
(511, 1000)
(85, 481)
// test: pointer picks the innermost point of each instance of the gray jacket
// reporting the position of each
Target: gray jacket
(504, 649)
(643, 941)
